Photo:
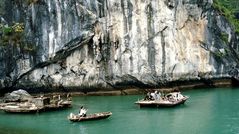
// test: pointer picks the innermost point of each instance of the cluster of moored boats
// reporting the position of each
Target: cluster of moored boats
(29, 104)
(22, 102)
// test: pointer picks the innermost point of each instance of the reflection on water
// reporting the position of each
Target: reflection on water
(82, 129)
(207, 112)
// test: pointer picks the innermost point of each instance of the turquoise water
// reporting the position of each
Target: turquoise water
(208, 111)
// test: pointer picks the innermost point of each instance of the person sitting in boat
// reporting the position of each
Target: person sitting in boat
(82, 112)
(59, 97)
(148, 96)
(179, 96)
(68, 96)
(153, 95)
(170, 97)
(158, 95)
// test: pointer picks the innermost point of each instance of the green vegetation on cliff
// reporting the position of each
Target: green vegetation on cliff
(14, 35)
(230, 9)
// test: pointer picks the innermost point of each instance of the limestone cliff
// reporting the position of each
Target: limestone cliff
(96, 44)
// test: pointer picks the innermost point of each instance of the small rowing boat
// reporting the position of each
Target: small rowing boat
(96, 116)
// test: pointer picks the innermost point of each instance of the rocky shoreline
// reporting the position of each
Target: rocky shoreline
(190, 85)
(178, 85)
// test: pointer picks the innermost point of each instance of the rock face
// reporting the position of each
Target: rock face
(17, 96)
(99, 44)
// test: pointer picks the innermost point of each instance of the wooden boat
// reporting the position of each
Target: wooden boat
(20, 109)
(58, 106)
(166, 102)
(96, 116)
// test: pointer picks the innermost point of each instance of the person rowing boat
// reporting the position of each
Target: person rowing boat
(82, 112)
